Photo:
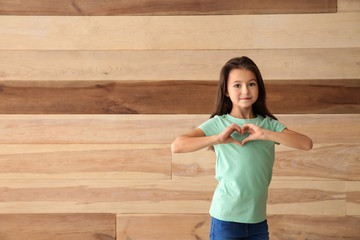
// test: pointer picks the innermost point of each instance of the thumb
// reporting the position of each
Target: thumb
(249, 138)
(234, 141)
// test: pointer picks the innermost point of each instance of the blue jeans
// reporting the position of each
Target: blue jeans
(222, 230)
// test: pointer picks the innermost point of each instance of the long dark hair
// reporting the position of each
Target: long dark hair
(223, 103)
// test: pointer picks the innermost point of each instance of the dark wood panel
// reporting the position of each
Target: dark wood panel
(57, 226)
(163, 7)
(197, 226)
(170, 97)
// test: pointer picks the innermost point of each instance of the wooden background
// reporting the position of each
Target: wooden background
(92, 93)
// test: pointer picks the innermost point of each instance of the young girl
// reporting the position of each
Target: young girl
(242, 132)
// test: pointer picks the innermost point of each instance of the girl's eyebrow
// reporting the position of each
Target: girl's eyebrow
(253, 79)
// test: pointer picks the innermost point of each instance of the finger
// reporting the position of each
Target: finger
(248, 128)
(236, 142)
(249, 138)
(236, 127)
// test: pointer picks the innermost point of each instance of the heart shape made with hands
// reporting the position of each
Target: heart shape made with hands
(255, 133)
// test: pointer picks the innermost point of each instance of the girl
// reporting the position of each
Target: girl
(242, 132)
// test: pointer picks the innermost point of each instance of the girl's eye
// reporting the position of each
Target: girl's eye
(237, 85)
(252, 84)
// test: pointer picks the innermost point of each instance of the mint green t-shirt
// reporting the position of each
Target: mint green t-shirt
(243, 172)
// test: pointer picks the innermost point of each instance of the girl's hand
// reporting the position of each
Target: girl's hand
(225, 136)
(256, 132)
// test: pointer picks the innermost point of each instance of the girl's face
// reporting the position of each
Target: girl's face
(242, 88)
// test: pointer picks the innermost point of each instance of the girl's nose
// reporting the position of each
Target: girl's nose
(245, 90)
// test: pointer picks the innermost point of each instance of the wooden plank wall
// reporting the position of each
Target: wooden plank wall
(92, 93)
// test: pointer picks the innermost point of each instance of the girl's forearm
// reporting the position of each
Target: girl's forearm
(290, 139)
(185, 144)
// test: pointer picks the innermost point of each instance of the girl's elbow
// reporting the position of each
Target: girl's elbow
(175, 148)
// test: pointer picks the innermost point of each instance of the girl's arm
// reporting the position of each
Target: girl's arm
(287, 137)
(196, 139)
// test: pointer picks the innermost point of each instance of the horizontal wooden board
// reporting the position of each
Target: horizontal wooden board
(282, 64)
(57, 226)
(105, 196)
(85, 161)
(348, 6)
(271, 31)
(307, 197)
(163, 226)
(160, 196)
(353, 198)
(325, 162)
(285, 227)
(170, 97)
(154, 129)
(197, 226)
(163, 7)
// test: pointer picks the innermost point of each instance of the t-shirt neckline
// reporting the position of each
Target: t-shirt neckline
(242, 119)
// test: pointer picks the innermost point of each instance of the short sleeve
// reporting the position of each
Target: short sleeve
(276, 126)
(209, 127)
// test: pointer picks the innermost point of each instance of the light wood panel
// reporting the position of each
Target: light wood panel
(307, 198)
(155, 129)
(100, 97)
(323, 128)
(353, 198)
(163, 7)
(85, 161)
(325, 162)
(180, 32)
(57, 226)
(330, 64)
(152, 226)
(348, 6)
(140, 196)
(105, 196)
(285, 227)
(197, 226)
(76, 129)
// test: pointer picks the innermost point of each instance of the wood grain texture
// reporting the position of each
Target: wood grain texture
(79, 129)
(163, 7)
(284, 31)
(285, 64)
(85, 161)
(307, 198)
(348, 6)
(352, 198)
(163, 227)
(197, 227)
(57, 226)
(325, 198)
(325, 162)
(285, 227)
(105, 196)
(154, 129)
(162, 97)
